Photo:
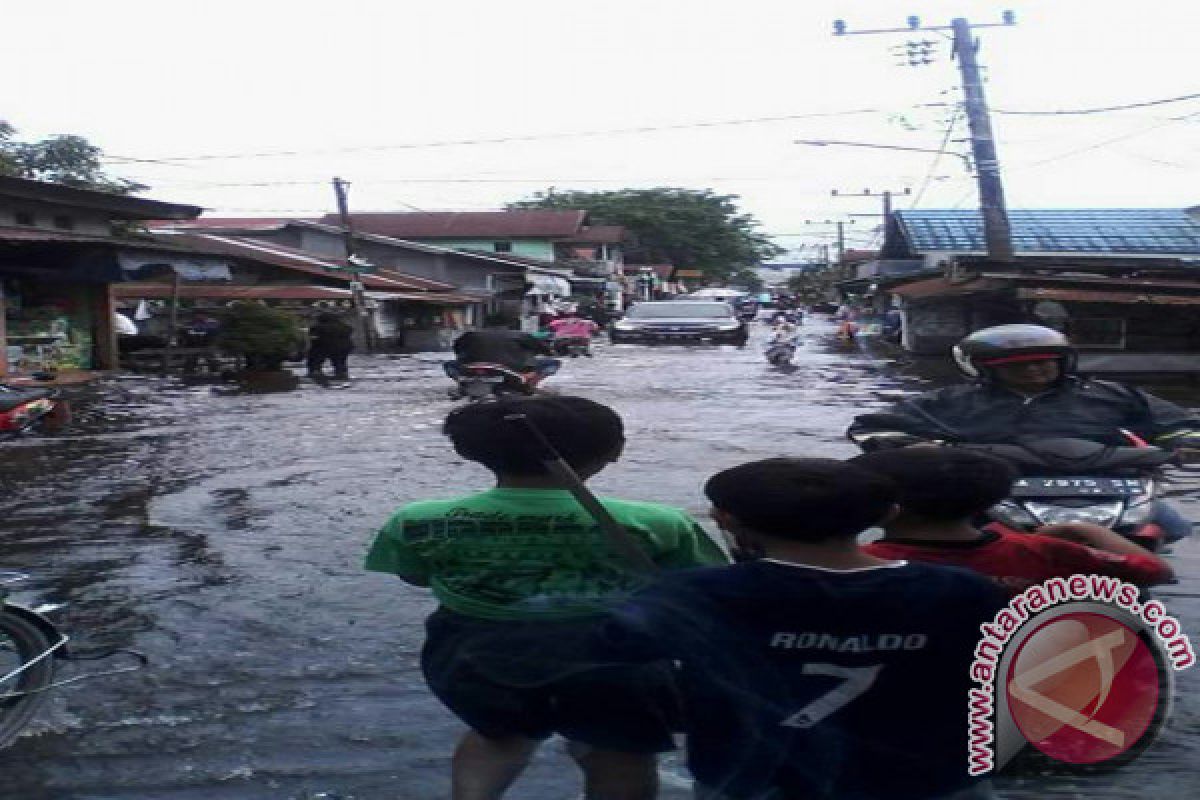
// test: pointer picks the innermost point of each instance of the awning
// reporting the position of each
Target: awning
(548, 284)
(940, 287)
(1102, 296)
(135, 264)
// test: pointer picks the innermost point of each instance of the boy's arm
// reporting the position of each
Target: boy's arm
(1108, 552)
(391, 553)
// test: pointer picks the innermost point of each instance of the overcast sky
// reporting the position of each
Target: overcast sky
(342, 88)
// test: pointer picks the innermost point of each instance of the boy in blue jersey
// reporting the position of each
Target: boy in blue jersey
(814, 670)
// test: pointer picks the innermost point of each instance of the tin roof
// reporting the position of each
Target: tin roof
(467, 224)
(121, 206)
(290, 258)
(280, 292)
(1148, 231)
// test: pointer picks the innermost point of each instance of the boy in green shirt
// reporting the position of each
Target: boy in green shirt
(521, 573)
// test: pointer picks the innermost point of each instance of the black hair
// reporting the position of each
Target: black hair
(583, 432)
(802, 499)
(943, 483)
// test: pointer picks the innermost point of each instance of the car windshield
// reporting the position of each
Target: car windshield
(679, 310)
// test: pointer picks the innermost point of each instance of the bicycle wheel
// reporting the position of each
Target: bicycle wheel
(20, 643)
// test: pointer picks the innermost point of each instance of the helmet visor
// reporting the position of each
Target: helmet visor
(1019, 358)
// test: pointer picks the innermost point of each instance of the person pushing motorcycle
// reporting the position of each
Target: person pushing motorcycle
(1025, 385)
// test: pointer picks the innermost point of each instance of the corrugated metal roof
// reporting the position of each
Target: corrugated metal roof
(1100, 296)
(466, 224)
(1148, 231)
(280, 292)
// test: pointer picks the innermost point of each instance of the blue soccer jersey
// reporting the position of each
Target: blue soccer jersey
(800, 682)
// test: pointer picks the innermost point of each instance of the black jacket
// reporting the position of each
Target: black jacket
(513, 349)
(331, 336)
(1091, 409)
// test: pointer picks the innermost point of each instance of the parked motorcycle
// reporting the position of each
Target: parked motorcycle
(1066, 480)
(572, 346)
(23, 410)
(482, 381)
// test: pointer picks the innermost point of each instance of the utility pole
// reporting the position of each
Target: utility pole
(996, 229)
(353, 263)
(887, 200)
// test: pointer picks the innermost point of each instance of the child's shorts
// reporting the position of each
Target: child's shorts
(535, 679)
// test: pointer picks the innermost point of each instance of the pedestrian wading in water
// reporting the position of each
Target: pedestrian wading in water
(330, 339)
(522, 575)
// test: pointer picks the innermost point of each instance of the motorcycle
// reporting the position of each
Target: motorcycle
(482, 381)
(36, 410)
(573, 346)
(1065, 480)
(780, 353)
(31, 649)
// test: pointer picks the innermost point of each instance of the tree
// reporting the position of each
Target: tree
(689, 228)
(68, 159)
(263, 337)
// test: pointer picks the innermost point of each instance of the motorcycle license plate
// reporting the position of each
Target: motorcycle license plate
(1078, 487)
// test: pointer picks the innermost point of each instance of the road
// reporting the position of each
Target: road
(223, 535)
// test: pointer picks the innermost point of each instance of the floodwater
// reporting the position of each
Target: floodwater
(223, 536)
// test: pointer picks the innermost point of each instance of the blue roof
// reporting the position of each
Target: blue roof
(1102, 231)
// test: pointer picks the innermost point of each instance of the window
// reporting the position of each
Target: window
(64, 222)
(502, 247)
(1097, 332)
(23, 218)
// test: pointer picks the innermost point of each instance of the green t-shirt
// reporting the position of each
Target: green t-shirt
(509, 554)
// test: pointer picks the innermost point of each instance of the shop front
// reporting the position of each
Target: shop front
(51, 327)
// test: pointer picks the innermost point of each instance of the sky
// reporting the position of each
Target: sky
(250, 108)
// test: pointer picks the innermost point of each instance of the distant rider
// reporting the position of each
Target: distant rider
(574, 328)
(518, 351)
(1025, 386)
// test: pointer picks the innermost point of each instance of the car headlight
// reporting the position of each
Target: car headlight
(622, 325)
(1103, 514)
(729, 326)
(1013, 515)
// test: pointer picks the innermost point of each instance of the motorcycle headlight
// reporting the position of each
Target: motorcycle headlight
(1140, 508)
(1103, 514)
(1013, 515)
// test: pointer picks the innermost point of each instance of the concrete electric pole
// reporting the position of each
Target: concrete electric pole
(354, 264)
(996, 229)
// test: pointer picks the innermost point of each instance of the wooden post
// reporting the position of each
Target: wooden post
(172, 332)
(3, 333)
(103, 307)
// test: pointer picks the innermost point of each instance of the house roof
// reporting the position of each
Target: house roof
(279, 292)
(117, 205)
(297, 260)
(467, 224)
(1149, 231)
(228, 223)
(598, 234)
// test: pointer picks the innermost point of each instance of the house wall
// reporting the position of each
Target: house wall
(529, 248)
(94, 223)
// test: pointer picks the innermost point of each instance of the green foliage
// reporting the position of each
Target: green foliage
(264, 337)
(67, 159)
(689, 228)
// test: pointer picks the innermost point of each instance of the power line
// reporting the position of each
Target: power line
(510, 139)
(1107, 142)
(937, 158)
(1101, 109)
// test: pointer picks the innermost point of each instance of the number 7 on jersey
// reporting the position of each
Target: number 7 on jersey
(855, 681)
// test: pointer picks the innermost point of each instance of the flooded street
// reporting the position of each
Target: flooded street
(224, 536)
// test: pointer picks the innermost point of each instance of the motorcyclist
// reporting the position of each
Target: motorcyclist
(573, 328)
(1025, 386)
(518, 351)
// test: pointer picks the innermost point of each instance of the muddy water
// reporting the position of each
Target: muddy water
(223, 536)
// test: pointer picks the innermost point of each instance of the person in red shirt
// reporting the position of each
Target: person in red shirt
(943, 489)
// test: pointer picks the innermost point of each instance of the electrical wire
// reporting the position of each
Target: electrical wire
(1106, 142)
(937, 158)
(508, 139)
(1101, 109)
